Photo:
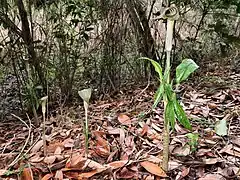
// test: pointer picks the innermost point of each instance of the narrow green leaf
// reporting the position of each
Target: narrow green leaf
(181, 115)
(158, 96)
(184, 69)
(168, 90)
(170, 114)
(157, 67)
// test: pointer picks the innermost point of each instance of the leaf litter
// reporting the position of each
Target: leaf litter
(126, 141)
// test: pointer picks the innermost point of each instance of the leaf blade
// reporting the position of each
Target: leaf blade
(181, 115)
(183, 70)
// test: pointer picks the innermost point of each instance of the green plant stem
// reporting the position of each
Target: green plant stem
(86, 127)
(165, 146)
(44, 136)
(166, 123)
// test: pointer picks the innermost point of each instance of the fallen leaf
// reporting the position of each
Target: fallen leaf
(221, 127)
(37, 146)
(27, 174)
(236, 140)
(2, 172)
(58, 151)
(36, 159)
(122, 136)
(125, 173)
(86, 175)
(212, 105)
(68, 143)
(59, 175)
(77, 161)
(153, 168)
(124, 119)
(185, 171)
(49, 160)
(182, 151)
(117, 164)
(47, 177)
(144, 130)
(94, 165)
(211, 177)
(210, 161)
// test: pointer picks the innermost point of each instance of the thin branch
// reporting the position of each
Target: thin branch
(25, 144)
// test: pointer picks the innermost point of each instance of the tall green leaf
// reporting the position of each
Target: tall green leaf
(184, 69)
(158, 96)
(157, 67)
(170, 113)
(181, 115)
(169, 92)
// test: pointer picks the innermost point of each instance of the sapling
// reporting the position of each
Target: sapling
(172, 108)
(85, 94)
(44, 100)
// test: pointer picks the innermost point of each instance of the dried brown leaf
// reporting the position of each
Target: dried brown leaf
(2, 172)
(87, 175)
(125, 173)
(124, 119)
(117, 164)
(49, 160)
(47, 177)
(182, 151)
(210, 161)
(212, 177)
(144, 130)
(153, 168)
(27, 174)
(37, 146)
(77, 161)
(59, 175)
(58, 151)
(185, 171)
(36, 159)
(68, 143)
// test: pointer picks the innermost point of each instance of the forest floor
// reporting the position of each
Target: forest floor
(126, 137)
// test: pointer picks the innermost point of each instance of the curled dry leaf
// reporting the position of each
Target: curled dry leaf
(37, 146)
(124, 119)
(153, 168)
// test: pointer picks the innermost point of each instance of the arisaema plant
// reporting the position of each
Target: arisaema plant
(172, 108)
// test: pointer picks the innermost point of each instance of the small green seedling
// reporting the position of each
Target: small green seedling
(85, 94)
(193, 141)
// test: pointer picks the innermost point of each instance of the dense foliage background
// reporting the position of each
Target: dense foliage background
(55, 48)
